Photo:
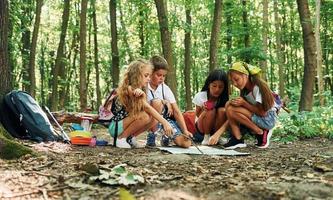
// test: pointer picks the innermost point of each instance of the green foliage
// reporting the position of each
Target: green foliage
(301, 125)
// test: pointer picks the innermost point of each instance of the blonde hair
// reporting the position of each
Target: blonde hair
(133, 77)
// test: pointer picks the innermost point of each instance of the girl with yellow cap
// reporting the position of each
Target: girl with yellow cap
(255, 108)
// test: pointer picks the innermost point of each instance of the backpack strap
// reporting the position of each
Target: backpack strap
(163, 91)
(115, 134)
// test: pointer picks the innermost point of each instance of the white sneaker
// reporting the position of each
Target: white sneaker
(122, 143)
(205, 141)
(132, 141)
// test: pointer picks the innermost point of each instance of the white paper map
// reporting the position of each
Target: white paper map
(205, 149)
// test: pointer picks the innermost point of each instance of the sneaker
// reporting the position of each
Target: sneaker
(259, 140)
(266, 136)
(132, 141)
(122, 143)
(165, 141)
(151, 139)
(205, 141)
(234, 143)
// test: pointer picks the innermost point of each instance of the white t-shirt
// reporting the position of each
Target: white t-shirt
(200, 98)
(255, 96)
(158, 93)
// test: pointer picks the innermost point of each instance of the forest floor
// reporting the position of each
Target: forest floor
(297, 170)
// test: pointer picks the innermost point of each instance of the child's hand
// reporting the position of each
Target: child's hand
(209, 105)
(213, 140)
(188, 133)
(239, 101)
(138, 92)
(170, 110)
(167, 129)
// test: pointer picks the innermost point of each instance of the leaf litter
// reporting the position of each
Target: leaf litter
(284, 171)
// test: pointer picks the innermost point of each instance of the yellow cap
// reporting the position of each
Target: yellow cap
(245, 68)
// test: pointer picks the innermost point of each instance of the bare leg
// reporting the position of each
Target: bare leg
(135, 126)
(221, 117)
(206, 121)
(240, 115)
(158, 106)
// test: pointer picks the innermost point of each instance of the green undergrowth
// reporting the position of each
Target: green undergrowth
(304, 125)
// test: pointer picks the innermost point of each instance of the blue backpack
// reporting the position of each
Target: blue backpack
(23, 118)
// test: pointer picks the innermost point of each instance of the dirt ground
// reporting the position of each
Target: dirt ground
(298, 170)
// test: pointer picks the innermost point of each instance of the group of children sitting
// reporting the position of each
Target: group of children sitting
(145, 103)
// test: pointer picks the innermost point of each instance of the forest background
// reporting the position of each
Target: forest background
(70, 54)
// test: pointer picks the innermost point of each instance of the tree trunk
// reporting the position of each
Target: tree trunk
(319, 55)
(26, 20)
(228, 15)
(264, 37)
(60, 57)
(142, 21)
(8, 148)
(246, 28)
(309, 46)
(166, 44)
(83, 34)
(214, 38)
(125, 35)
(279, 48)
(114, 43)
(187, 68)
(32, 75)
(96, 62)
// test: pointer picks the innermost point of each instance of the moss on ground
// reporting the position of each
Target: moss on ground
(9, 149)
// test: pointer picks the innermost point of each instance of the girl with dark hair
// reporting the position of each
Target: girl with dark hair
(211, 120)
(255, 108)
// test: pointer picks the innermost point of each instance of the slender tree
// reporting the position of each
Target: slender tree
(32, 58)
(187, 68)
(83, 34)
(215, 35)
(264, 37)
(60, 56)
(25, 20)
(166, 43)
(246, 28)
(96, 62)
(319, 55)
(279, 48)
(309, 46)
(228, 16)
(114, 43)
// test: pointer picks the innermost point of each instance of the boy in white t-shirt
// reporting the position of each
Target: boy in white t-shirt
(160, 96)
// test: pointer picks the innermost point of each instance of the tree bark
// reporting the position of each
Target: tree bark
(60, 57)
(214, 38)
(83, 34)
(246, 28)
(32, 74)
(187, 68)
(279, 48)
(114, 43)
(228, 15)
(309, 46)
(264, 37)
(8, 148)
(166, 44)
(96, 62)
(25, 40)
(125, 34)
(142, 21)
(319, 55)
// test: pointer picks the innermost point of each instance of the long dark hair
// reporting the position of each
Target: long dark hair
(218, 75)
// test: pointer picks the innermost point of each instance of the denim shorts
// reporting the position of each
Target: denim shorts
(266, 122)
(112, 127)
(176, 129)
